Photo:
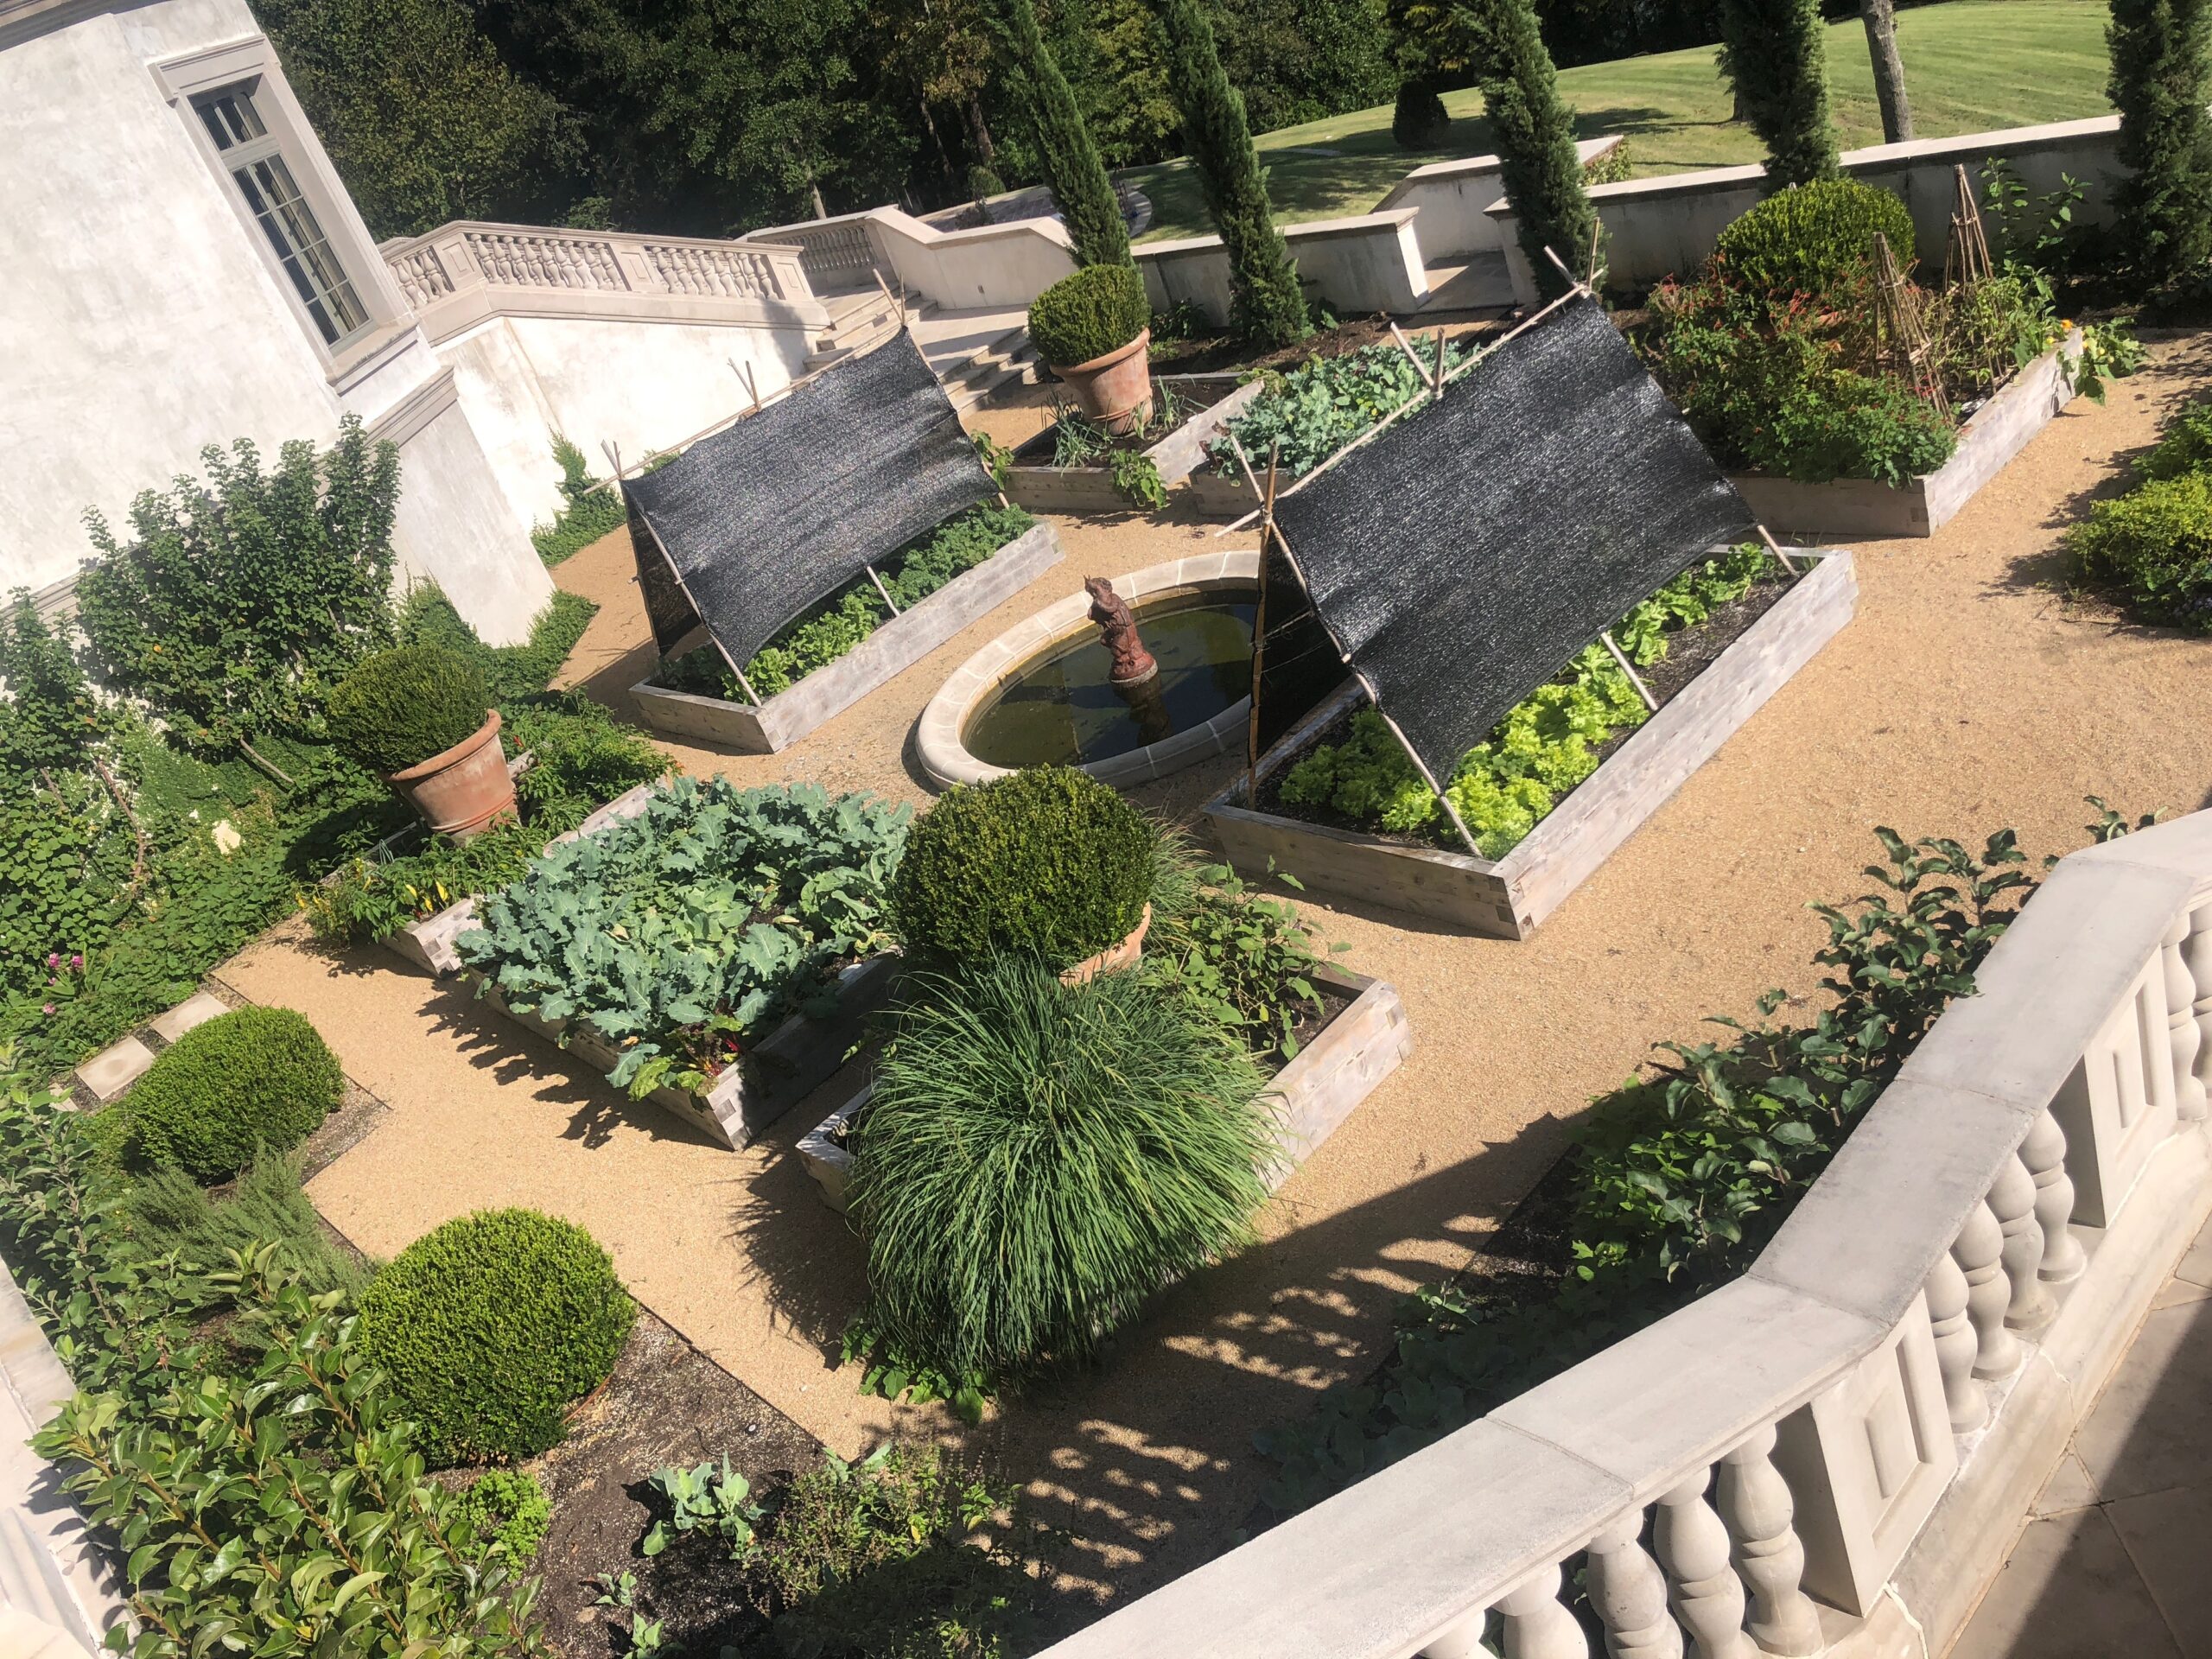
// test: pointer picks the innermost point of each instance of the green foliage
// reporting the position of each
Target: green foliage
(1682, 1175)
(687, 931)
(171, 1214)
(2109, 352)
(1266, 303)
(1066, 154)
(491, 1326)
(2164, 203)
(2185, 444)
(508, 1507)
(1047, 861)
(1244, 959)
(1777, 60)
(62, 874)
(1811, 239)
(1419, 120)
(49, 719)
(1037, 1159)
(2152, 547)
(1098, 310)
(902, 1555)
(713, 1502)
(590, 511)
(1615, 166)
(399, 708)
(1320, 406)
(1136, 476)
(237, 602)
(1538, 166)
(997, 459)
(251, 1078)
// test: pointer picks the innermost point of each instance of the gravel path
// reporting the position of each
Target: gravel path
(1968, 695)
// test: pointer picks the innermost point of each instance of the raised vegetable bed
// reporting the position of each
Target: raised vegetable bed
(1859, 508)
(1341, 1065)
(1034, 481)
(1509, 897)
(905, 639)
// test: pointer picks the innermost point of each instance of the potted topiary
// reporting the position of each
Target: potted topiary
(421, 717)
(1093, 328)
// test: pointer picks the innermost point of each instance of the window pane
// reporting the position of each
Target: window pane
(230, 116)
(293, 232)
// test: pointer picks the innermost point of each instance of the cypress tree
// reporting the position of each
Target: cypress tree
(1268, 304)
(1777, 60)
(1072, 170)
(1534, 135)
(2158, 84)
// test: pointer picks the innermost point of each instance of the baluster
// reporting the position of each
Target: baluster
(1629, 1593)
(1979, 1253)
(2185, 1018)
(2013, 1201)
(1707, 1595)
(576, 270)
(2196, 955)
(1757, 1506)
(2043, 1152)
(1954, 1345)
(1463, 1641)
(405, 270)
(1536, 1626)
(694, 268)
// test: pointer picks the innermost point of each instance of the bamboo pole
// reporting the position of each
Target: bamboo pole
(1260, 634)
(1412, 356)
(1420, 764)
(1440, 360)
(1629, 668)
(1774, 548)
(880, 588)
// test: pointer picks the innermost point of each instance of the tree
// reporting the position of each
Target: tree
(1065, 148)
(1880, 18)
(1266, 302)
(1535, 134)
(1777, 64)
(422, 119)
(2158, 86)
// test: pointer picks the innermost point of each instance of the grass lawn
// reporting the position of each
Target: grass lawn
(1970, 66)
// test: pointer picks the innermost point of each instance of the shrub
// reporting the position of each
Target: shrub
(508, 1507)
(172, 1215)
(2164, 200)
(1809, 238)
(1538, 164)
(428, 617)
(1776, 59)
(2185, 444)
(2152, 547)
(399, 708)
(1067, 155)
(1038, 1160)
(1418, 121)
(491, 1326)
(589, 511)
(1098, 310)
(1048, 862)
(249, 1078)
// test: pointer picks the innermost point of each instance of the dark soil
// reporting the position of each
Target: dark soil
(666, 1403)
(1177, 404)
(1214, 354)
(1689, 653)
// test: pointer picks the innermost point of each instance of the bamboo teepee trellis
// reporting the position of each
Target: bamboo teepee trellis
(1901, 343)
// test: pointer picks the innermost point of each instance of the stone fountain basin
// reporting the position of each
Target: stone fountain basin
(943, 753)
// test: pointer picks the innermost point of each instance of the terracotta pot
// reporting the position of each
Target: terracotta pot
(465, 790)
(1114, 958)
(1114, 390)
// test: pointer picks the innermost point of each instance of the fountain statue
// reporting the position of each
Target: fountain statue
(1132, 664)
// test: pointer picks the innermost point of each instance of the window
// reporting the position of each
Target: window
(252, 154)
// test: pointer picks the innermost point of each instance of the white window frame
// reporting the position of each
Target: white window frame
(254, 60)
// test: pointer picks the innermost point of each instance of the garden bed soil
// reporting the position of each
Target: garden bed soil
(1851, 509)
(902, 641)
(1706, 692)
(1034, 482)
(665, 1403)
(1343, 1056)
(1229, 353)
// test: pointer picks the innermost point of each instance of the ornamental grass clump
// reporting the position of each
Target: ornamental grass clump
(1099, 309)
(1046, 862)
(251, 1078)
(491, 1326)
(399, 708)
(1038, 1159)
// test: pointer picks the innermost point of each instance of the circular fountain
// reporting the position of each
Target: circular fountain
(1131, 680)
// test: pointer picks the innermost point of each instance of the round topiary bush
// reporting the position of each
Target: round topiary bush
(252, 1077)
(1046, 862)
(509, 1508)
(1806, 239)
(1420, 121)
(491, 1326)
(1099, 309)
(397, 709)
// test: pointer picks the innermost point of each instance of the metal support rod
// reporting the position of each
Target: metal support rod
(880, 588)
(1629, 668)
(1774, 548)
(1412, 356)
(1260, 633)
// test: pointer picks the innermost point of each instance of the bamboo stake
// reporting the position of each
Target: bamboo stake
(612, 451)
(1412, 356)
(1774, 548)
(745, 374)
(1420, 764)
(1629, 668)
(880, 588)
(1440, 359)
(1260, 633)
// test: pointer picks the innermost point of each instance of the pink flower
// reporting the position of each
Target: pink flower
(76, 961)
(49, 1009)
(54, 959)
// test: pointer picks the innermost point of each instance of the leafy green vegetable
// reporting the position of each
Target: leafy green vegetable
(1321, 405)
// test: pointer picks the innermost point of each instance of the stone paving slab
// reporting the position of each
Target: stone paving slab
(195, 1010)
(113, 1069)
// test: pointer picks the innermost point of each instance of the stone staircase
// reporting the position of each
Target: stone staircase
(974, 353)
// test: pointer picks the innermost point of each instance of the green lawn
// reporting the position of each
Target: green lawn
(1970, 66)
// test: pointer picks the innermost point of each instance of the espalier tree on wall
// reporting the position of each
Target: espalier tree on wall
(1535, 134)
(1777, 64)
(1265, 298)
(2158, 84)
(1070, 158)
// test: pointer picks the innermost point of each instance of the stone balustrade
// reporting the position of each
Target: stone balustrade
(1831, 1454)
(464, 273)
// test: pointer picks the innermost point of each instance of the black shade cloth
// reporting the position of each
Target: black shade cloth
(786, 506)
(1462, 557)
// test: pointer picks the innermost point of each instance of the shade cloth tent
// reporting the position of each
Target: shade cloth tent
(753, 524)
(1467, 552)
